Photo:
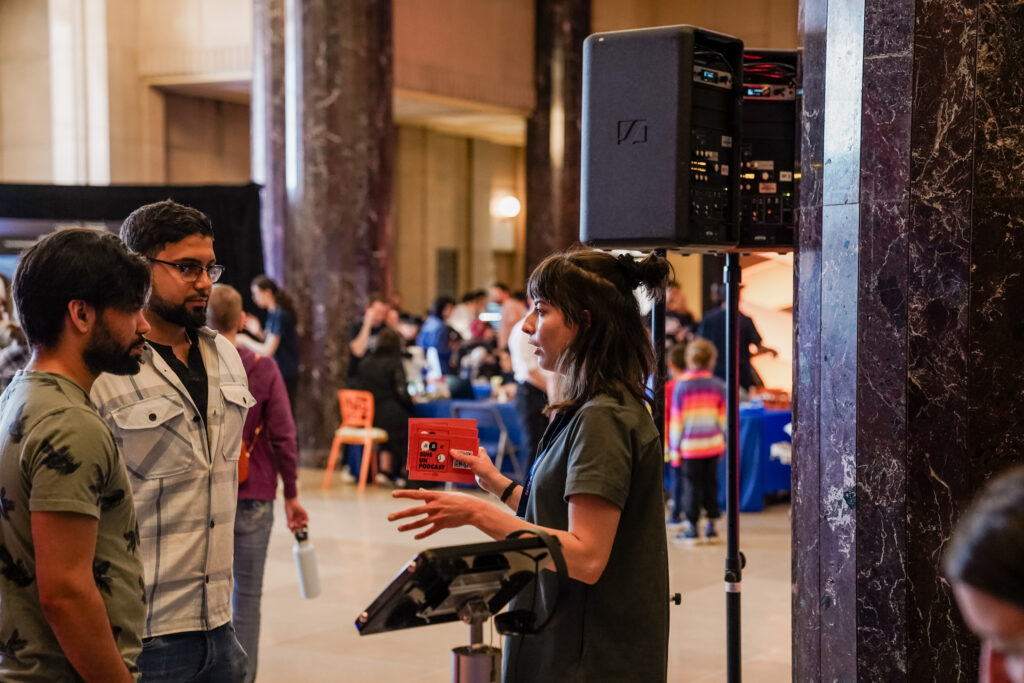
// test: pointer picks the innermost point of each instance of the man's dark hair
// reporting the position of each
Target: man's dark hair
(985, 551)
(89, 265)
(440, 303)
(151, 227)
(501, 285)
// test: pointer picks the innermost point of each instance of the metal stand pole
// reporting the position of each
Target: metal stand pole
(476, 662)
(734, 560)
(658, 344)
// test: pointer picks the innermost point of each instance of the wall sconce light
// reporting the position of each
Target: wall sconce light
(505, 206)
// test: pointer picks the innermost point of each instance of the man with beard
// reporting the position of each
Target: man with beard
(179, 424)
(70, 572)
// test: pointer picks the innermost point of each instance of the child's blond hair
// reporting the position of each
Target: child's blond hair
(701, 355)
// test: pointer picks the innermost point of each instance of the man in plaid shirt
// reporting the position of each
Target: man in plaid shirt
(179, 426)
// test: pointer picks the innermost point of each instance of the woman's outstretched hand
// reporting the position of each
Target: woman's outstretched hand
(439, 510)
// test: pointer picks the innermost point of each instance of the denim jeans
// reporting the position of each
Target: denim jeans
(193, 657)
(253, 521)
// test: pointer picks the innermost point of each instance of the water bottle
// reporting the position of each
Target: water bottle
(305, 563)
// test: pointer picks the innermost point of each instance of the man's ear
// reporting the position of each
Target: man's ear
(241, 321)
(82, 315)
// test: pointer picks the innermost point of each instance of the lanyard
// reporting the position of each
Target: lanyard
(554, 428)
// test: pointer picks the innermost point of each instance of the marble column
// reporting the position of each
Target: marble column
(339, 185)
(908, 345)
(553, 130)
(268, 130)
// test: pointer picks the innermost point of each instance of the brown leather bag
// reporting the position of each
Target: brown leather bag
(243, 458)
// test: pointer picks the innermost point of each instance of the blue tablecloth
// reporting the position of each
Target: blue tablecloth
(759, 474)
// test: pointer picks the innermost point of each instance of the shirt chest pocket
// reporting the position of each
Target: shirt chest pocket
(237, 402)
(154, 437)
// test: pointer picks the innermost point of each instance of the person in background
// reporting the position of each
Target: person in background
(382, 373)
(675, 359)
(179, 424)
(468, 311)
(984, 562)
(71, 593)
(534, 388)
(269, 439)
(597, 485)
(14, 357)
(437, 334)
(712, 328)
(512, 311)
(679, 321)
(279, 337)
(697, 439)
(364, 332)
(8, 325)
(478, 357)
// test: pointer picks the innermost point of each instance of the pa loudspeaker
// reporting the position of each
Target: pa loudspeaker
(662, 117)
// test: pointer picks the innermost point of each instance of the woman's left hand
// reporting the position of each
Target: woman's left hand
(440, 510)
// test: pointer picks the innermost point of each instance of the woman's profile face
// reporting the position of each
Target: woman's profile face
(549, 333)
(260, 296)
(1000, 626)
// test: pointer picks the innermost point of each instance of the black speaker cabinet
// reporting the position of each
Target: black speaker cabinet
(662, 117)
(770, 150)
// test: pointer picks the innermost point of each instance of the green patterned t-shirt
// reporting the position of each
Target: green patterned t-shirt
(58, 455)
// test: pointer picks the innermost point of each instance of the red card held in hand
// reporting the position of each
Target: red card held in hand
(435, 446)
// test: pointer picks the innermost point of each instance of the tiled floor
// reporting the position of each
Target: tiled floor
(359, 552)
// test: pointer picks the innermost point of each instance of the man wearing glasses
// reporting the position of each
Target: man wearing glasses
(179, 425)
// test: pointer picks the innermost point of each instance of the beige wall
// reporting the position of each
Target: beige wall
(207, 140)
(475, 50)
(26, 150)
(759, 23)
(443, 188)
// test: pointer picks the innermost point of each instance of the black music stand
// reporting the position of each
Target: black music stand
(467, 583)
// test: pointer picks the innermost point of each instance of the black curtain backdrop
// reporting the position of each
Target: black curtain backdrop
(233, 209)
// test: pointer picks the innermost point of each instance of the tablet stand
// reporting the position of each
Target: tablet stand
(468, 583)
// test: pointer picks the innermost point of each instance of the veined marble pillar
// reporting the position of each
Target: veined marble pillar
(339, 180)
(553, 131)
(268, 130)
(907, 378)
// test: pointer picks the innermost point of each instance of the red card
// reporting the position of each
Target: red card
(434, 447)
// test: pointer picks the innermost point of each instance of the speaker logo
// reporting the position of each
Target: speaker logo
(632, 131)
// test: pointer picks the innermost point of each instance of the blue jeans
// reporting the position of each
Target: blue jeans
(193, 657)
(253, 521)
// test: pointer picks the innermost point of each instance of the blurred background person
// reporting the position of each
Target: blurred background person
(438, 335)
(382, 373)
(467, 311)
(985, 564)
(679, 321)
(712, 328)
(14, 357)
(269, 439)
(364, 332)
(279, 336)
(533, 389)
(512, 310)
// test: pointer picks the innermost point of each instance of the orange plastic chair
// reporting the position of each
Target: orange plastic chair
(356, 429)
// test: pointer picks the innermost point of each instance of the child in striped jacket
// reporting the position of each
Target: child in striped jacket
(697, 439)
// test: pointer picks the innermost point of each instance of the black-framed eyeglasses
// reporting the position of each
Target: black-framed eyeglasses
(190, 272)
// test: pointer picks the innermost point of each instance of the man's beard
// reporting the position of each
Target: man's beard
(177, 314)
(103, 353)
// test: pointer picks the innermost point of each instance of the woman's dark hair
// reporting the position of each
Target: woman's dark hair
(89, 265)
(280, 296)
(987, 549)
(388, 341)
(595, 292)
(441, 303)
(149, 228)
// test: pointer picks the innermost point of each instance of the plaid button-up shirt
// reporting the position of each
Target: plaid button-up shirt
(184, 476)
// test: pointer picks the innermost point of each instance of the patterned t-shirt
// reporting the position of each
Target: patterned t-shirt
(58, 455)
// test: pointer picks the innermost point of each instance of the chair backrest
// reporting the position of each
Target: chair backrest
(356, 408)
(488, 419)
